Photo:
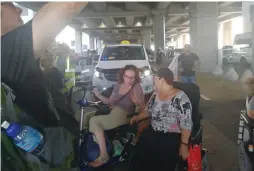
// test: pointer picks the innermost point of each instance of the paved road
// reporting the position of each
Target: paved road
(224, 100)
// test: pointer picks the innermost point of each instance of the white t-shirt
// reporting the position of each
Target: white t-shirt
(249, 104)
(173, 66)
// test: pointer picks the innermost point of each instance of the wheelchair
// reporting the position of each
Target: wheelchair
(193, 92)
(246, 142)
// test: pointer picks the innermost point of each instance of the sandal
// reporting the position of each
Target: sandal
(99, 161)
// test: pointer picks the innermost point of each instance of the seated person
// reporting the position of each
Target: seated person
(128, 82)
(161, 143)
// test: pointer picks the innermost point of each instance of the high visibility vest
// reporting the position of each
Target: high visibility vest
(69, 76)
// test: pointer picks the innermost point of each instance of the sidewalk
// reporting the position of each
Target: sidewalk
(222, 153)
(218, 88)
(220, 109)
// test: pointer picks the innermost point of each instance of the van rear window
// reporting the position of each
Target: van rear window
(123, 53)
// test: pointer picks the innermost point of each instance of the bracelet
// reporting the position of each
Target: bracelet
(186, 144)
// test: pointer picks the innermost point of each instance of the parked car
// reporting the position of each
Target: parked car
(242, 50)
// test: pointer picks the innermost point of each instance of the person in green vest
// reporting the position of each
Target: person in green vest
(64, 63)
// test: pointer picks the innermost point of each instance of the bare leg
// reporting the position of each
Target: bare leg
(102, 144)
(104, 157)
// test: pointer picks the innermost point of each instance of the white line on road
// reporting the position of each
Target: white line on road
(204, 97)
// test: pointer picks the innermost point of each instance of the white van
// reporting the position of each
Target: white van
(242, 49)
(115, 57)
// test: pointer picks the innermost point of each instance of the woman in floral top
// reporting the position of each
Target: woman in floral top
(160, 144)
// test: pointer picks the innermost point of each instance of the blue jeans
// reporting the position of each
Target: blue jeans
(188, 79)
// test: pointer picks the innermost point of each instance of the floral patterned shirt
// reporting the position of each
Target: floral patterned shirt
(171, 115)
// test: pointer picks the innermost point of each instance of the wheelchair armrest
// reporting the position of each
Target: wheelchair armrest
(196, 135)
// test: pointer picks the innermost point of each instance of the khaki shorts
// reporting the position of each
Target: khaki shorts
(115, 118)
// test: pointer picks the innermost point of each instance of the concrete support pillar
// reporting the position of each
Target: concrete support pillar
(99, 46)
(227, 33)
(252, 20)
(246, 13)
(91, 42)
(140, 40)
(78, 41)
(204, 33)
(147, 38)
(159, 32)
(184, 40)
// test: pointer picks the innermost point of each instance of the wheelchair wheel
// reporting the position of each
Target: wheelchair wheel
(205, 164)
(243, 158)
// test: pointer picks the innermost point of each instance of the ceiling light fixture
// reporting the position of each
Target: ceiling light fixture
(120, 24)
(102, 25)
(138, 24)
(84, 26)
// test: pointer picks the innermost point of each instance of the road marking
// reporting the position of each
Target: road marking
(204, 97)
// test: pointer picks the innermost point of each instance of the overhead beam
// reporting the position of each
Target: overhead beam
(228, 17)
(114, 34)
(163, 5)
(114, 28)
(102, 6)
(118, 37)
(128, 13)
(130, 23)
(225, 4)
(172, 19)
(230, 9)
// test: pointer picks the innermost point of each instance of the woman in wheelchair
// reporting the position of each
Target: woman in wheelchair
(128, 86)
(161, 143)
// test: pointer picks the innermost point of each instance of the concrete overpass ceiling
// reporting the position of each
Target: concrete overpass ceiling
(127, 14)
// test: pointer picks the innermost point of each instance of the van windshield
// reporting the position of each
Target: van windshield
(241, 44)
(123, 53)
(247, 42)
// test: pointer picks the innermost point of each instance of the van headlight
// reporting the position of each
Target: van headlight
(98, 74)
(84, 71)
(145, 73)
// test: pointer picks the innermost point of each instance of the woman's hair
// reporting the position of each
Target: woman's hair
(167, 74)
(250, 85)
(47, 60)
(126, 68)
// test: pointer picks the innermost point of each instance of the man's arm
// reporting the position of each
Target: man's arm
(197, 63)
(180, 69)
(50, 20)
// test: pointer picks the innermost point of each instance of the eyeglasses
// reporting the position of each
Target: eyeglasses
(127, 77)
